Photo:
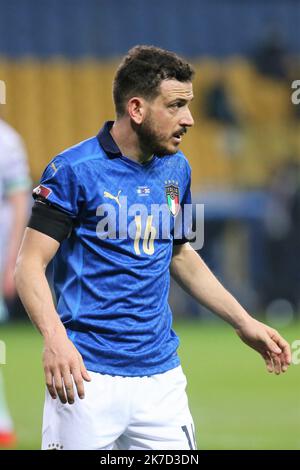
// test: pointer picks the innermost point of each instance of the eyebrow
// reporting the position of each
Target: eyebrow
(181, 100)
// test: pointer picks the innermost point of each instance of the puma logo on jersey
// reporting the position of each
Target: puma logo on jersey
(110, 196)
(54, 167)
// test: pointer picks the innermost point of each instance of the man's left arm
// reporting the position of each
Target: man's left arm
(191, 273)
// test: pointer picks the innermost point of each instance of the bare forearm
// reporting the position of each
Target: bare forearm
(190, 271)
(62, 362)
(35, 294)
(195, 277)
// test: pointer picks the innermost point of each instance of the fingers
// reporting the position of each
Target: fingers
(83, 370)
(272, 347)
(80, 373)
(49, 384)
(58, 384)
(280, 352)
(64, 368)
(275, 351)
(61, 382)
(276, 364)
(68, 385)
(286, 356)
(273, 363)
(77, 376)
(269, 362)
(285, 362)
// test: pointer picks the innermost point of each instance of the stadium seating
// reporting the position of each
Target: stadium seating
(58, 102)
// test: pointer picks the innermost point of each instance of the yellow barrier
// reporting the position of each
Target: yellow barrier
(54, 104)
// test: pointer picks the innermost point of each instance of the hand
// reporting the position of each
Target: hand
(275, 351)
(62, 362)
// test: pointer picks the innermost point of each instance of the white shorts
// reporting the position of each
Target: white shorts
(123, 413)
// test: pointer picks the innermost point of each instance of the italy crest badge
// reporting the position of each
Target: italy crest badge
(172, 195)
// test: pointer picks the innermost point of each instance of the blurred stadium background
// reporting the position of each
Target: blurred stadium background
(58, 59)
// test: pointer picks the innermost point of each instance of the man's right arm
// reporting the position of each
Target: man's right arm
(61, 360)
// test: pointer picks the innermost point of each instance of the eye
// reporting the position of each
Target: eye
(177, 104)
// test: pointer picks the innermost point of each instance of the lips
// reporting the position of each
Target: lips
(178, 135)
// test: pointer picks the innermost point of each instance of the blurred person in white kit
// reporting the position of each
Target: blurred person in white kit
(15, 185)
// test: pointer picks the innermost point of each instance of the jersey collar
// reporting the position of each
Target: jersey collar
(107, 142)
(111, 149)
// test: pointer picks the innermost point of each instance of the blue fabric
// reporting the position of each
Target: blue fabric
(112, 293)
(102, 28)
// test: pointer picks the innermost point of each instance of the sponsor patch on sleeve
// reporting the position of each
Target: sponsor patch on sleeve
(41, 191)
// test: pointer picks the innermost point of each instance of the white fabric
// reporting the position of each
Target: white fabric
(13, 160)
(6, 424)
(122, 413)
(14, 176)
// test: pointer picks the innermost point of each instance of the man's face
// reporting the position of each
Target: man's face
(167, 118)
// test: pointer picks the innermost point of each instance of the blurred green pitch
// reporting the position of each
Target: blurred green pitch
(235, 403)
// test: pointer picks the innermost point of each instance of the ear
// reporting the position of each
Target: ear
(136, 109)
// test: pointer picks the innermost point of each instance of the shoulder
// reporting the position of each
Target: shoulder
(81, 153)
(79, 158)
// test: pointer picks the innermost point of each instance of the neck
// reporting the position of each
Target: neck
(128, 142)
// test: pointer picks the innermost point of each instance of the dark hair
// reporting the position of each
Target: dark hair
(141, 72)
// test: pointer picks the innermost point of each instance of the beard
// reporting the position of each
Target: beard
(150, 139)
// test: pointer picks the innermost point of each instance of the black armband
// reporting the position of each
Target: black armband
(180, 241)
(50, 220)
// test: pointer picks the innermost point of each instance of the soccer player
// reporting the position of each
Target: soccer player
(14, 194)
(109, 347)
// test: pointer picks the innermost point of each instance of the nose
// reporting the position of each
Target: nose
(187, 118)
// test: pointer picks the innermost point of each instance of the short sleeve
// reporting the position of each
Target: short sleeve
(59, 186)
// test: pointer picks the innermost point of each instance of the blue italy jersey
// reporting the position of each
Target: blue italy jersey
(111, 275)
